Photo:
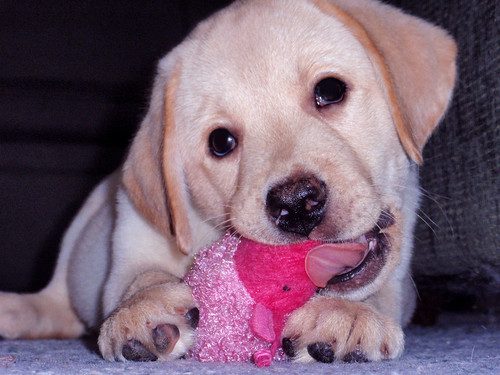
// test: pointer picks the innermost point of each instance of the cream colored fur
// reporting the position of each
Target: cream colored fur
(252, 68)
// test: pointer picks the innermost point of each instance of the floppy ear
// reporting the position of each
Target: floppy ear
(152, 172)
(415, 61)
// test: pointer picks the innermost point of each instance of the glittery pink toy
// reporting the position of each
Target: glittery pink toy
(245, 291)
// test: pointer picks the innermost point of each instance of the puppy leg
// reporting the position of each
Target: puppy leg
(326, 329)
(155, 321)
(47, 314)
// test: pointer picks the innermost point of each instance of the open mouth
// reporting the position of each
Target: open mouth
(351, 264)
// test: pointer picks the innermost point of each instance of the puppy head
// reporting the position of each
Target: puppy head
(293, 120)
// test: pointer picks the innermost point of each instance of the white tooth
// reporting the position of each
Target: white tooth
(372, 244)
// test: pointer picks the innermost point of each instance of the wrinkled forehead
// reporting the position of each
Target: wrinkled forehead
(266, 48)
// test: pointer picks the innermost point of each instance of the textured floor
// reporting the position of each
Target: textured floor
(451, 348)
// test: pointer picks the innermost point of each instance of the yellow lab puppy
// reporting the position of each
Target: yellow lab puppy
(282, 120)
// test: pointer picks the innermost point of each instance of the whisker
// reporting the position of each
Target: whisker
(445, 215)
(426, 223)
(206, 220)
(428, 218)
(415, 287)
(222, 224)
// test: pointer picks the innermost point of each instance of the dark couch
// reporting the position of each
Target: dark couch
(74, 83)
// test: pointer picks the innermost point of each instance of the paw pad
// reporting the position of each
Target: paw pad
(165, 337)
(321, 352)
(356, 356)
(133, 350)
(288, 347)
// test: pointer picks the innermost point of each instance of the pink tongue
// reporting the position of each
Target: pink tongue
(328, 260)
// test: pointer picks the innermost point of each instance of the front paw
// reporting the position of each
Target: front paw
(327, 329)
(156, 323)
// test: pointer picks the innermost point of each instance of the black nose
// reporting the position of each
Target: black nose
(298, 204)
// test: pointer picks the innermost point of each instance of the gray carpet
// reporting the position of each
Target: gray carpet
(464, 347)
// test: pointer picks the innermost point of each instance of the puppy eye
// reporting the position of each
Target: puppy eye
(221, 142)
(329, 91)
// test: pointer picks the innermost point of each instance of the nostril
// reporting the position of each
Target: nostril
(311, 204)
(282, 214)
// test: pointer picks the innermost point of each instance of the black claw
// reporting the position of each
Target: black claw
(165, 336)
(287, 345)
(193, 317)
(321, 352)
(135, 351)
(356, 356)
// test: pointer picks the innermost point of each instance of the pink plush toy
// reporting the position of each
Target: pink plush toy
(245, 291)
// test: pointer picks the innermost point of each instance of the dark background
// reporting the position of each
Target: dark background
(74, 83)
